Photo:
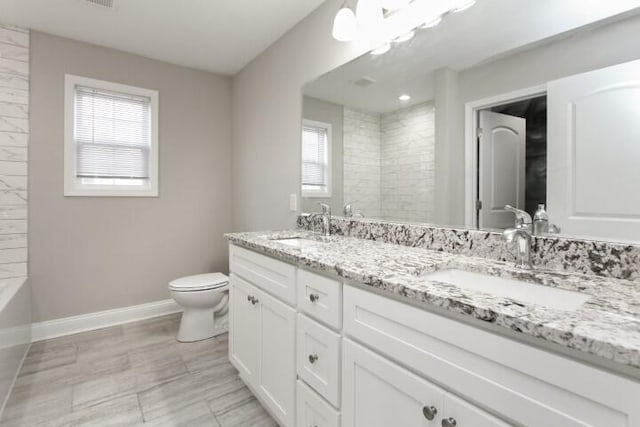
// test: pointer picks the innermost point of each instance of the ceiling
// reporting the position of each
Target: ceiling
(491, 29)
(220, 36)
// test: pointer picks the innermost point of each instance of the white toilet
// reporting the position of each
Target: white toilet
(201, 297)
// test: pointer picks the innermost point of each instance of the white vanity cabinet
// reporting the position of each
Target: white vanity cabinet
(262, 330)
(319, 353)
(380, 393)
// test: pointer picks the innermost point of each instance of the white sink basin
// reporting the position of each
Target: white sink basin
(299, 242)
(524, 292)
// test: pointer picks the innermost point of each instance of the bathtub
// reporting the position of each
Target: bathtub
(15, 331)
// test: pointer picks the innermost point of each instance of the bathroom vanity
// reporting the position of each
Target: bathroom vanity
(342, 331)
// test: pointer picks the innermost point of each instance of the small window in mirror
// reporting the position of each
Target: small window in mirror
(316, 159)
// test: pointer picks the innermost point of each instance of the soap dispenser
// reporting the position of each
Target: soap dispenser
(540, 221)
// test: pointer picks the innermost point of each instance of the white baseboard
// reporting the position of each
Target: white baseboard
(102, 319)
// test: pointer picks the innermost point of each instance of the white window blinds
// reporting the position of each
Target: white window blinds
(112, 134)
(315, 158)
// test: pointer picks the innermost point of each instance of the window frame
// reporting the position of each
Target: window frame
(71, 185)
(328, 170)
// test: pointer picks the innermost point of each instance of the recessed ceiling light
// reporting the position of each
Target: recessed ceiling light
(405, 37)
(382, 49)
(404, 98)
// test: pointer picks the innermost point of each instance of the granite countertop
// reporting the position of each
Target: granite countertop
(606, 326)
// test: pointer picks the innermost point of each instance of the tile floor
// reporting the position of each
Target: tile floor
(131, 375)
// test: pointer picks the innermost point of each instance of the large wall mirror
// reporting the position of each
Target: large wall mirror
(534, 104)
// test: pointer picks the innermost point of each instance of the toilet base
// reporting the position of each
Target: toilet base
(197, 324)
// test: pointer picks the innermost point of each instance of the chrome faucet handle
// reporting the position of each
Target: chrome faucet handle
(523, 219)
(347, 210)
(326, 208)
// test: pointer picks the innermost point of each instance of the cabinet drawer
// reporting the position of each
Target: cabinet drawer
(312, 410)
(318, 358)
(275, 277)
(520, 382)
(320, 298)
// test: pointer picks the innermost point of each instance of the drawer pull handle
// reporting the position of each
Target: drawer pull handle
(313, 358)
(429, 412)
(314, 297)
(449, 422)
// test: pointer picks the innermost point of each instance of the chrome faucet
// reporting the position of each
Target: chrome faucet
(347, 210)
(521, 237)
(523, 219)
(326, 219)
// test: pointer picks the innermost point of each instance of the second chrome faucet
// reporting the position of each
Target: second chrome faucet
(521, 237)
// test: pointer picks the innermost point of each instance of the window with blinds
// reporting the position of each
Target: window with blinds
(112, 135)
(112, 139)
(316, 171)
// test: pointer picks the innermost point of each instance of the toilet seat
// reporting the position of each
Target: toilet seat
(199, 282)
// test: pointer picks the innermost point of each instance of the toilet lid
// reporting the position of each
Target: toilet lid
(199, 282)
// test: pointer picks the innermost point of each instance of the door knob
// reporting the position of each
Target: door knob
(313, 358)
(429, 412)
(449, 422)
(249, 298)
(314, 297)
(254, 300)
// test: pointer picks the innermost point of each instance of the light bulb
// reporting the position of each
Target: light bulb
(405, 37)
(404, 98)
(464, 6)
(393, 5)
(369, 17)
(345, 26)
(382, 49)
(432, 23)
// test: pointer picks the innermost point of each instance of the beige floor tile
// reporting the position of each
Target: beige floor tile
(250, 413)
(128, 374)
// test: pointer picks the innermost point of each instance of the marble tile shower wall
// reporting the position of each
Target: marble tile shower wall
(407, 153)
(569, 255)
(14, 137)
(361, 158)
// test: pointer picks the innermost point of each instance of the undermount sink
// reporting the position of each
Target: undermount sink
(298, 242)
(514, 289)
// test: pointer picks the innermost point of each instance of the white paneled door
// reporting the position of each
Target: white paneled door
(502, 157)
(593, 183)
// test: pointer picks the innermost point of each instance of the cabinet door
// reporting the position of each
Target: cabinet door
(377, 392)
(460, 413)
(277, 379)
(244, 320)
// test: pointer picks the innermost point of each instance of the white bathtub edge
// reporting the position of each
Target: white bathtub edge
(13, 383)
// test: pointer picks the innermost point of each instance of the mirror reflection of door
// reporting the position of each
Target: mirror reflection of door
(502, 156)
(512, 160)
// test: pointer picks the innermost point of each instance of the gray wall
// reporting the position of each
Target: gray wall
(327, 112)
(267, 106)
(88, 253)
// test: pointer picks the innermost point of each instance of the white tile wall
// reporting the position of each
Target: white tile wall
(389, 162)
(14, 137)
(408, 163)
(361, 157)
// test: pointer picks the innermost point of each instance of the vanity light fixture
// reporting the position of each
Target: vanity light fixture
(464, 6)
(393, 5)
(345, 25)
(405, 37)
(370, 27)
(432, 23)
(369, 18)
(404, 97)
(382, 49)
